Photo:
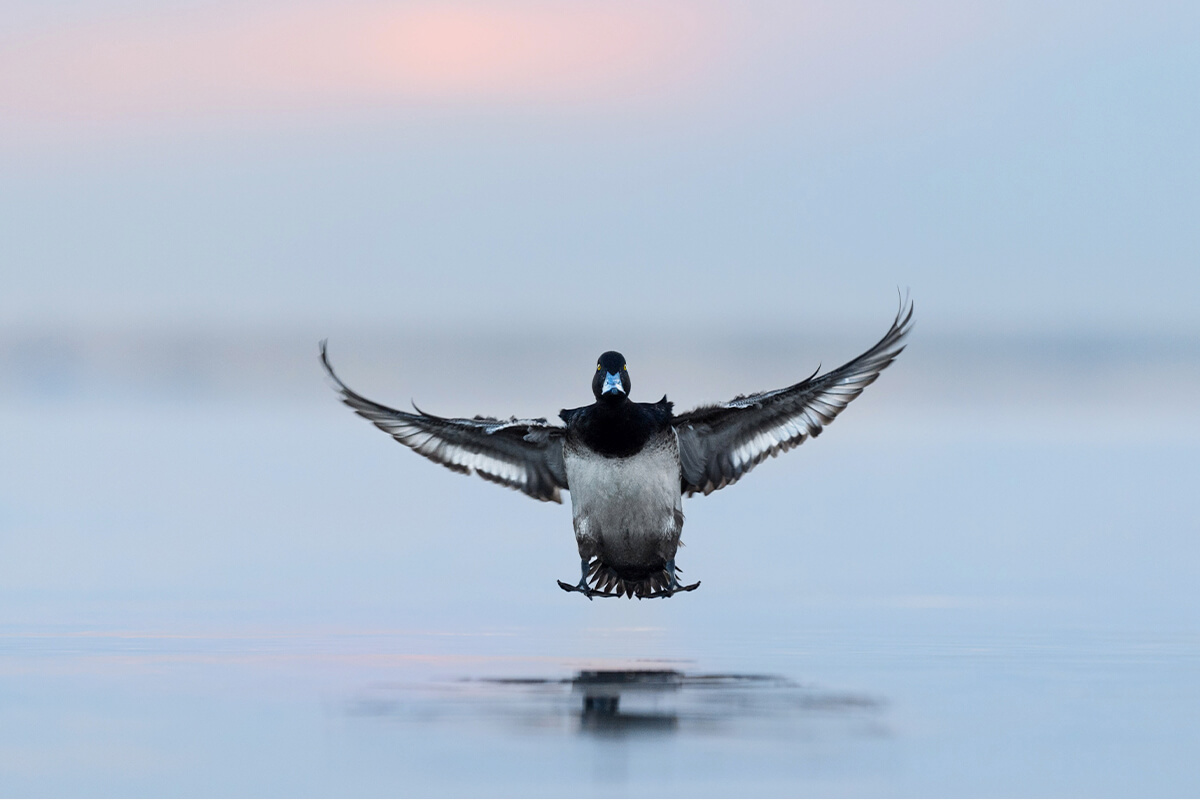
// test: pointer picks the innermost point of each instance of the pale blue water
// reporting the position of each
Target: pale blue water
(234, 594)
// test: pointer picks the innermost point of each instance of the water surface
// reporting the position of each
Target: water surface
(212, 593)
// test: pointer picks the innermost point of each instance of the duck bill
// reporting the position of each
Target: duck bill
(612, 384)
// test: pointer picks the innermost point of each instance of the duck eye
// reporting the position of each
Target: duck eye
(598, 368)
(624, 368)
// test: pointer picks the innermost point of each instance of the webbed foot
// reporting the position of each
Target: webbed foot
(582, 587)
(691, 587)
(673, 584)
(585, 590)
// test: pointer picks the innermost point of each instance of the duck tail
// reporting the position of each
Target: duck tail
(608, 580)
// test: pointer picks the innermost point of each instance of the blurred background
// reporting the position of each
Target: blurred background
(203, 556)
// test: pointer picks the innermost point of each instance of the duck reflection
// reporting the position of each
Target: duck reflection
(602, 690)
(619, 703)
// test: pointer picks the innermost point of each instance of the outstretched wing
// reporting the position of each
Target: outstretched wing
(719, 444)
(524, 454)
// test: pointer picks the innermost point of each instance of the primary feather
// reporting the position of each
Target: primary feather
(524, 454)
(719, 444)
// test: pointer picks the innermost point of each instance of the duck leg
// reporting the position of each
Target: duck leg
(582, 587)
(673, 575)
(673, 584)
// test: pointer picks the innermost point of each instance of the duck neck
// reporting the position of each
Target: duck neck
(617, 427)
(612, 400)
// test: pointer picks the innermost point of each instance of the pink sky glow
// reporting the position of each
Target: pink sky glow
(237, 59)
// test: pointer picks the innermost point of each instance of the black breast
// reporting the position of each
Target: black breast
(617, 429)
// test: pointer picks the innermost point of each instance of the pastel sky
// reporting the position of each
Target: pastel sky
(1017, 165)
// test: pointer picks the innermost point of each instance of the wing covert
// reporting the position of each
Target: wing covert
(721, 443)
(523, 454)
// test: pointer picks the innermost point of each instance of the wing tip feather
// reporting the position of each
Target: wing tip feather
(807, 408)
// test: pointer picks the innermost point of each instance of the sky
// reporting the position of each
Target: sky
(1017, 166)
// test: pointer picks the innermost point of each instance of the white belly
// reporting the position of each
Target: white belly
(627, 511)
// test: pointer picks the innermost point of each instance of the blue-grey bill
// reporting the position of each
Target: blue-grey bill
(612, 383)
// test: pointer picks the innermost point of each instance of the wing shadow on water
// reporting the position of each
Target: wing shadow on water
(629, 703)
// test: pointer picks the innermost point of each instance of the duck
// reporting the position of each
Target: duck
(628, 465)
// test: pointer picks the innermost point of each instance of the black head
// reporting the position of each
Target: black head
(611, 380)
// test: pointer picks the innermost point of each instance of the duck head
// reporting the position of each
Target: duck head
(611, 381)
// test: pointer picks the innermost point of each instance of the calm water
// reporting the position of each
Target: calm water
(988, 593)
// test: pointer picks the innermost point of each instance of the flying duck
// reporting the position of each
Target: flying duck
(626, 464)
